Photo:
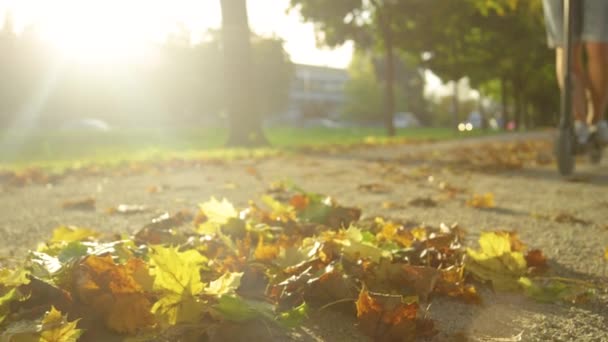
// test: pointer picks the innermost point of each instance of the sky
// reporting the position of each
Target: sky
(86, 30)
(101, 31)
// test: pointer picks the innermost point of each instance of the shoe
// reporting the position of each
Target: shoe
(581, 130)
(602, 131)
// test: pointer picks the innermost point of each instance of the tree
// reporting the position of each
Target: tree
(245, 126)
(364, 94)
(363, 22)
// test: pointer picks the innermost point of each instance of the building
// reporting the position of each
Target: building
(316, 92)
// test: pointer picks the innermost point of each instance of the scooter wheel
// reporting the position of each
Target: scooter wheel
(564, 152)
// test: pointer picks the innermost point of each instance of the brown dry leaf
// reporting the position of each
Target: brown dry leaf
(374, 188)
(482, 201)
(299, 202)
(423, 202)
(536, 260)
(86, 204)
(113, 291)
(452, 283)
(570, 219)
(390, 231)
(386, 317)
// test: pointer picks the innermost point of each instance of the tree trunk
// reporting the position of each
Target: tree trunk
(518, 110)
(455, 105)
(503, 100)
(244, 119)
(389, 79)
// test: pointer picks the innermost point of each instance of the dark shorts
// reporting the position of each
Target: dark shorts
(594, 27)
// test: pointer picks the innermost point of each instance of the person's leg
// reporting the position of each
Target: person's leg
(579, 81)
(597, 74)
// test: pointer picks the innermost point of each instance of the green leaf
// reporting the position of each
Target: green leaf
(224, 285)
(552, 290)
(73, 250)
(294, 317)
(237, 309)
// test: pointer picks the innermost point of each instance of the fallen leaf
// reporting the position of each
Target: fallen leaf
(52, 327)
(177, 279)
(71, 234)
(482, 201)
(536, 259)
(423, 202)
(218, 212)
(392, 205)
(496, 261)
(386, 317)
(375, 188)
(112, 291)
(85, 204)
(224, 285)
(570, 219)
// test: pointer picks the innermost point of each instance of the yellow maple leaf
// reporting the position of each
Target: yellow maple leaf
(177, 279)
(496, 261)
(226, 284)
(56, 328)
(70, 234)
(52, 327)
(14, 278)
(218, 212)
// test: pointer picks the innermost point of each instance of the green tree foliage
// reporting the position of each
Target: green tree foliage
(367, 23)
(488, 42)
(364, 94)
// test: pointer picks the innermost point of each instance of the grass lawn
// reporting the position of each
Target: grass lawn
(66, 148)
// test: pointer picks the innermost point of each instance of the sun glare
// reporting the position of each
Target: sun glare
(107, 31)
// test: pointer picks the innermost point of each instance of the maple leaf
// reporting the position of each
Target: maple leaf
(14, 278)
(496, 261)
(386, 317)
(111, 290)
(56, 328)
(70, 234)
(52, 327)
(482, 201)
(224, 285)
(178, 281)
(218, 212)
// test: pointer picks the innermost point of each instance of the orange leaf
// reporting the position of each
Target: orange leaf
(112, 291)
(265, 252)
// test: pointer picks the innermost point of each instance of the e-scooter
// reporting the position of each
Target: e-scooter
(567, 145)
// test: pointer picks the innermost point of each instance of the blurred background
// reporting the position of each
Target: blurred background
(83, 76)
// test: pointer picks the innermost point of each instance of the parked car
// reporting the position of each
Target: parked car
(405, 120)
